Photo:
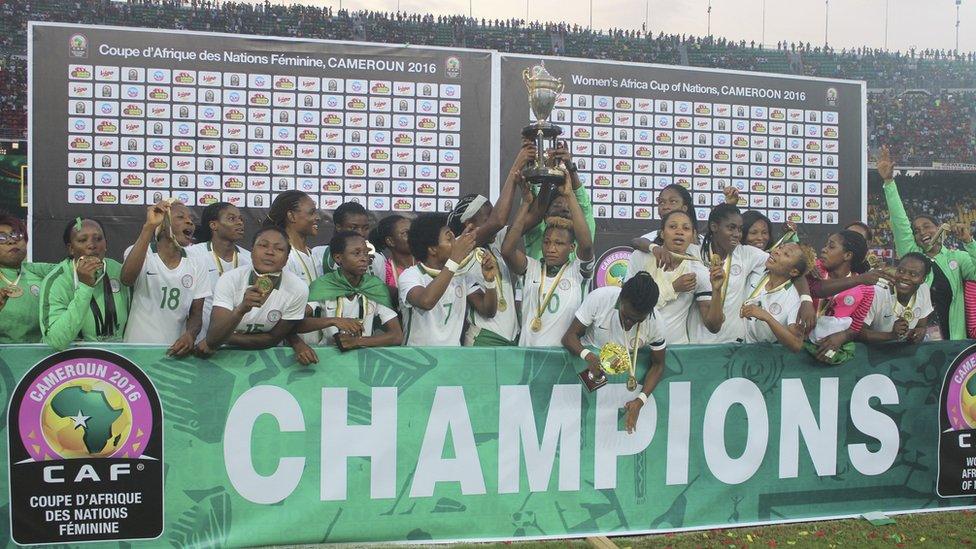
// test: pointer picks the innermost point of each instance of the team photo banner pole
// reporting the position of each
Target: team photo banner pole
(470, 444)
(121, 118)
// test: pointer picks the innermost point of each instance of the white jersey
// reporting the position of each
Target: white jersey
(744, 263)
(783, 305)
(285, 302)
(216, 266)
(351, 308)
(885, 308)
(693, 248)
(161, 298)
(675, 315)
(504, 323)
(307, 268)
(602, 320)
(557, 317)
(441, 326)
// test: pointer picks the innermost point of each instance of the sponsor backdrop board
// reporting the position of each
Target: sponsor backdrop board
(794, 147)
(467, 444)
(123, 117)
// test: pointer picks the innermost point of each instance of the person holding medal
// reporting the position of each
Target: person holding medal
(771, 311)
(689, 283)
(352, 299)
(926, 235)
(619, 322)
(217, 236)
(256, 306)
(553, 287)
(433, 295)
(901, 308)
(168, 286)
(82, 298)
(476, 213)
(20, 284)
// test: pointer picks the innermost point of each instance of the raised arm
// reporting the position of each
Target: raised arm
(62, 310)
(584, 240)
(503, 208)
(426, 297)
(132, 265)
(486, 301)
(512, 252)
(712, 311)
(901, 226)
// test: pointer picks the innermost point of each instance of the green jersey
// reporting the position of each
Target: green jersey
(71, 310)
(19, 321)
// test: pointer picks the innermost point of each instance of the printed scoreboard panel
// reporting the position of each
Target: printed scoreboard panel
(793, 147)
(131, 117)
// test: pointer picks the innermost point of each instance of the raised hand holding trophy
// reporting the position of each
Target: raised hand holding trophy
(544, 89)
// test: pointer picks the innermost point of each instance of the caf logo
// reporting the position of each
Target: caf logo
(957, 427)
(832, 97)
(452, 67)
(611, 269)
(78, 46)
(83, 423)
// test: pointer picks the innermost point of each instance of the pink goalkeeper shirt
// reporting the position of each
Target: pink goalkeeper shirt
(854, 303)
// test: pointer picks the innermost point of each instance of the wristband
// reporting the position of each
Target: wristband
(642, 397)
(490, 285)
(806, 299)
(452, 265)
(585, 353)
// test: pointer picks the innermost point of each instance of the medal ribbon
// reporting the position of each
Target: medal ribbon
(14, 282)
(544, 303)
(363, 302)
(762, 286)
(908, 308)
(308, 274)
(218, 260)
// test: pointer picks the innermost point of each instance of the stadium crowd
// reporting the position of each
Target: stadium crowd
(945, 118)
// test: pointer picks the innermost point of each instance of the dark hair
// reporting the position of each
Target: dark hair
(854, 243)
(752, 217)
(686, 197)
(271, 228)
(425, 232)
(15, 223)
(641, 292)
(340, 240)
(203, 233)
(347, 209)
(383, 230)
(920, 257)
(454, 222)
(925, 216)
(718, 214)
(862, 225)
(283, 203)
(664, 221)
(66, 235)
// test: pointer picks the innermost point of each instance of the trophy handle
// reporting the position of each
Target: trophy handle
(525, 76)
(562, 88)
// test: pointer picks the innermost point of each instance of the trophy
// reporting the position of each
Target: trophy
(543, 89)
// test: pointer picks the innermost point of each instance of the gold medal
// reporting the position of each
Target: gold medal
(502, 304)
(536, 324)
(908, 315)
(631, 383)
(264, 284)
(14, 291)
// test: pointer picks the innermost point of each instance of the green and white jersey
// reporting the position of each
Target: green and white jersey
(675, 315)
(161, 298)
(323, 257)
(741, 267)
(307, 267)
(885, 308)
(351, 308)
(783, 304)
(285, 302)
(216, 266)
(557, 316)
(601, 317)
(441, 326)
(20, 316)
(505, 322)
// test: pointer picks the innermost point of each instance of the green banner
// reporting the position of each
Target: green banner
(463, 444)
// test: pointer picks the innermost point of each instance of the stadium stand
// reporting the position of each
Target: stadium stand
(925, 93)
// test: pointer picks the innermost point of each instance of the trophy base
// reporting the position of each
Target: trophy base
(592, 383)
(548, 129)
(543, 176)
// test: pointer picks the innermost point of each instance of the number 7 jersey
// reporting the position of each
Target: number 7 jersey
(161, 298)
